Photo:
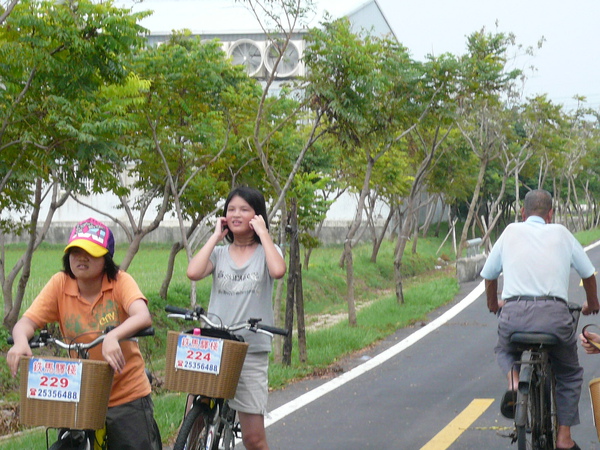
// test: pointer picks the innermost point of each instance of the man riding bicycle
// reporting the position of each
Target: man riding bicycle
(535, 257)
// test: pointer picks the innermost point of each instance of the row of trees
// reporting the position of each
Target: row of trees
(87, 107)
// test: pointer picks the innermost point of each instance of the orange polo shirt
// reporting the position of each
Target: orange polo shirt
(82, 321)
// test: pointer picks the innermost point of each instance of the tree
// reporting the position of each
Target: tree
(485, 80)
(5, 11)
(188, 140)
(366, 87)
(63, 85)
(285, 130)
(425, 144)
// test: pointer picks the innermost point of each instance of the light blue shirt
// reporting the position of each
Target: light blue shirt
(536, 259)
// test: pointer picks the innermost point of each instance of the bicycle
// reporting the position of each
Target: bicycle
(535, 419)
(210, 424)
(66, 383)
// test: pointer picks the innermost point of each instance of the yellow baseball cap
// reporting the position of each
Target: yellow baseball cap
(92, 236)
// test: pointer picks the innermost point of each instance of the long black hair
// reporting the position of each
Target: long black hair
(256, 201)
(111, 269)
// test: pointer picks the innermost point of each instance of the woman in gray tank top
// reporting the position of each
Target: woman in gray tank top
(243, 271)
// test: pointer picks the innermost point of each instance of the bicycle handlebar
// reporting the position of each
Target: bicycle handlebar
(273, 330)
(44, 337)
(199, 314)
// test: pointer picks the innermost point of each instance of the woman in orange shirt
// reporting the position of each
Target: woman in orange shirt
(88, 295)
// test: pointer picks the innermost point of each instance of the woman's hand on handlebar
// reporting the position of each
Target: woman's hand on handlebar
(112, 353)
(21, 333)
(14, 356)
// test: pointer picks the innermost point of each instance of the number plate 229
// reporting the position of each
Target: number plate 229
(54, 379)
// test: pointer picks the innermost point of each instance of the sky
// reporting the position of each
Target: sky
(567, 64)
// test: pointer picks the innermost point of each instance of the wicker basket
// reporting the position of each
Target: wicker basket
(222, 385)
(595, 397)
(87, 414)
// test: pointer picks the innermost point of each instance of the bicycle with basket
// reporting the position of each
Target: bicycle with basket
(67, 394)
(206, 363)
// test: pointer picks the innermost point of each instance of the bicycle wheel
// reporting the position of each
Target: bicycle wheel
(533, 418)
(528, 411)
(196, 432)
(545, 436)
(549, 414)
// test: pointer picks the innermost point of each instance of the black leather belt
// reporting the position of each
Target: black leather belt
(529, 298)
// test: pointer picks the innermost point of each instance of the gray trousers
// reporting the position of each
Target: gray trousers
(545, 316)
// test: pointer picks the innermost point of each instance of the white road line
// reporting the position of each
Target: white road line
(284, 410)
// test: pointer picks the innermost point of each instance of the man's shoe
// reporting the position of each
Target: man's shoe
(509, 402)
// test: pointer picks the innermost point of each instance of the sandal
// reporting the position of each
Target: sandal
(575, 447)
(507, 406)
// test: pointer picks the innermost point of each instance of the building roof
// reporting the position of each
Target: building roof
(231, 16)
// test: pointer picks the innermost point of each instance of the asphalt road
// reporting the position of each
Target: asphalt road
(440, 376)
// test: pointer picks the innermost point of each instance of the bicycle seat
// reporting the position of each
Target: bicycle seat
(545, 339)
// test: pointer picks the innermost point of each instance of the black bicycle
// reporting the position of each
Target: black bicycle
(209, 423)
(536, 423)
(70, 438)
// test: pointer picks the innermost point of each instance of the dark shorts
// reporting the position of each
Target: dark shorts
(131, 426)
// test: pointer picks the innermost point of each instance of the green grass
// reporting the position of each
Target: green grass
(378, 316)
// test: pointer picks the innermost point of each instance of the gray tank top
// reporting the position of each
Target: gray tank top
(241, 293)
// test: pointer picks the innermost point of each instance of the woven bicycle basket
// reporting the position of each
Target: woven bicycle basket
(87, 414)
(222, 385)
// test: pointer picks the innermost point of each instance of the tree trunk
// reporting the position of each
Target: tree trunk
(381, 237)
(300, 311)
(289, 316)
(12, 304)
(472, 208)
(349, 243)
(294, 294)
(350, 284)
(164, 288)
(398, 254)
(278, 340)
(431, 209)
(415, 238)
(398, 279)
(441, 218)
(308, 251)
(175, 249)
(278, 300)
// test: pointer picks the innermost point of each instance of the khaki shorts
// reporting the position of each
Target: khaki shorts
(253, 388)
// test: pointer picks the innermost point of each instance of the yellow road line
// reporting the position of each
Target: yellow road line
(458, 425)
